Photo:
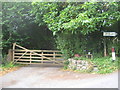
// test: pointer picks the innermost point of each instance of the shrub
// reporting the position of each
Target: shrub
(105, 65)
(80, 58)
(66, 62)
(65, 67)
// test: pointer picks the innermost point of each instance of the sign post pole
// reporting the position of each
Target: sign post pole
(113, 54)
(105, 50)
(110, 34)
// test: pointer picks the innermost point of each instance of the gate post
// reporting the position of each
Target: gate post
(9, 57)
(30, 57)
(13, 51)
(54, 57)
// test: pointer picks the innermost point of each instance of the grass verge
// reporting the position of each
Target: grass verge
(106, 65)
(8, 67)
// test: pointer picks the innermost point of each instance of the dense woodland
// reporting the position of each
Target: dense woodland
(72, 27)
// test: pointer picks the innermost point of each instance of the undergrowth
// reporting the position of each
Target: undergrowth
(9, 65)
(104, 64)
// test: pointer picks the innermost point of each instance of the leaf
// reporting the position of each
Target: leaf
(54, 33)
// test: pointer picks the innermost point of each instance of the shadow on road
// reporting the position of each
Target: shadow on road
(45, 65)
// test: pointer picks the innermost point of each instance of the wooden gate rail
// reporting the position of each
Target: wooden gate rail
(27, 56)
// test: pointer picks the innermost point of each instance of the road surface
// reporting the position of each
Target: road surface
(55, 77)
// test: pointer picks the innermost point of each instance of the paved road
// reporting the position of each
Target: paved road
(55, 77)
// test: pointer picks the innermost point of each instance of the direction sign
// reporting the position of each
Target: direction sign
(109, 34)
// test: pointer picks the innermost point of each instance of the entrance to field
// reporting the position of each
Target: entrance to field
(23, 55)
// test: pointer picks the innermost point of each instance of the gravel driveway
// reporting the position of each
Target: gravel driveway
(54, 77)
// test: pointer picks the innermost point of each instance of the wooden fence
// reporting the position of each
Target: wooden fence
(26, 56)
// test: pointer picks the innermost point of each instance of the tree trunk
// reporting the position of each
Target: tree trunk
(105, 48)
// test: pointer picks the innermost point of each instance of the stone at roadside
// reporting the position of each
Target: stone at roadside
(80, 65)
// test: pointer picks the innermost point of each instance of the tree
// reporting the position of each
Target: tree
(75, 18)
(18, 26)
(83, 17)
(14, 16)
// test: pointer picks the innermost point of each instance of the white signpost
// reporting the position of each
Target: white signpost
(110, 34)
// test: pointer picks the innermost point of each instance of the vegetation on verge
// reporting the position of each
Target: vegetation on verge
(104, 64)
(9, 67)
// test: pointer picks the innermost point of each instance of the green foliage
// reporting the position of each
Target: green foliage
(9, 38)
(70, 44)
(14, 18)
(105, 65)
(80, 58)
(15, 14)
(68, 20)
(83, 17)
(66, 63)
(18, 26)
(9, 65)
(65, 67)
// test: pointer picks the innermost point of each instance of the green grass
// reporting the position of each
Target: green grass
(9, 65)
(105, 64)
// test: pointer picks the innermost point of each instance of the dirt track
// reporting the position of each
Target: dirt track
(54, 77)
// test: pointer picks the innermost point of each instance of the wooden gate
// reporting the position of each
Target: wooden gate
(26, 56)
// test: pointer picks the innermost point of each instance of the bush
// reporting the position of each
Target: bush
(70, 44)
(66, 63)
(105, 65)
(8, 65)
(65, 67)
(80, 58)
